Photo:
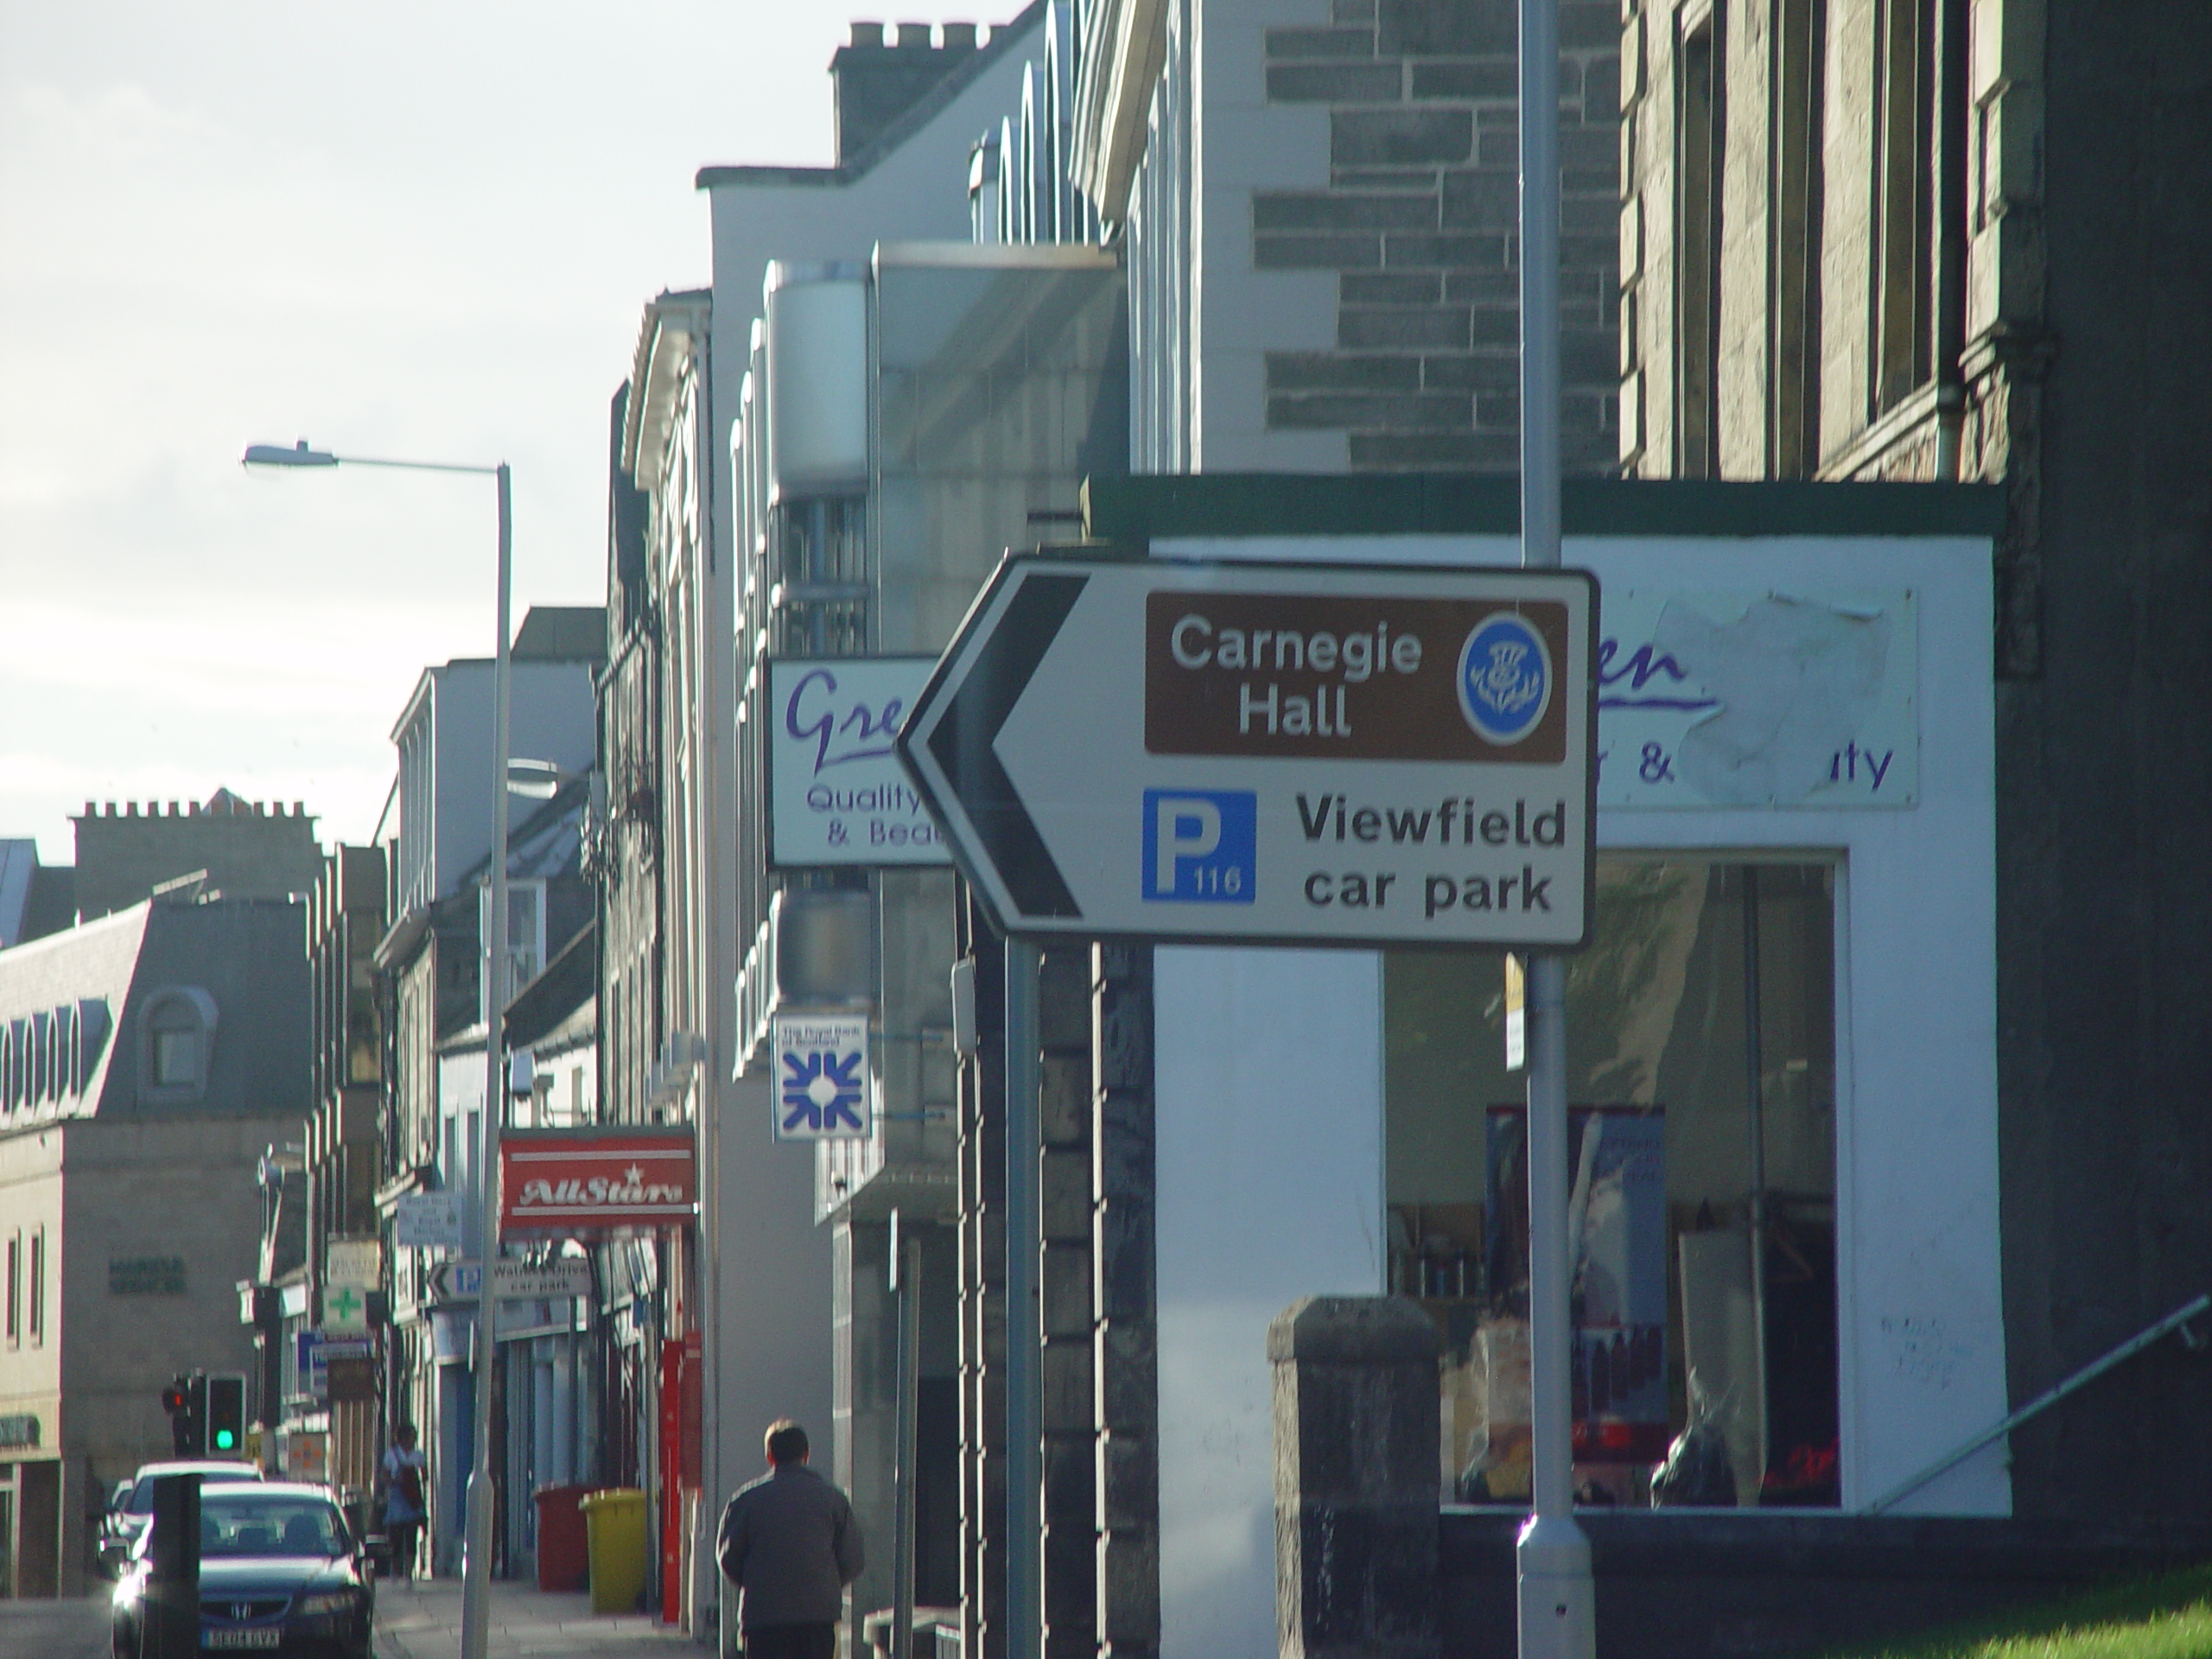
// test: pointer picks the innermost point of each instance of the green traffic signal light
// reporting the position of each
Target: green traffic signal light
(225, 1440)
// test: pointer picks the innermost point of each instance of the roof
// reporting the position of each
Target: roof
(89, 970)
(924, 110)
(566, 990)
(562, 634)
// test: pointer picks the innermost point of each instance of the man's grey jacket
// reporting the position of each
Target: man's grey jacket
(789, 1542)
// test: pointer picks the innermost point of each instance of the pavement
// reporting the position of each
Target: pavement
(420, 1619)
(76, 1629)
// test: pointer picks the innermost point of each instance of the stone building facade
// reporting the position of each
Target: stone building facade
(1419, 225)
(247, 850)
(148, 1059)
(1934, 239)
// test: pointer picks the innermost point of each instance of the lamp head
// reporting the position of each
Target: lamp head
(276, 455)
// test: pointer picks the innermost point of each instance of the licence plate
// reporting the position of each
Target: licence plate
(267, 1637)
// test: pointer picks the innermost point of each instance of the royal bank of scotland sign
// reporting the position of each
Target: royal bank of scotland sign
(821, 1087)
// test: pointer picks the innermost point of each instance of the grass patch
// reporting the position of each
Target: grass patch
(2168, 1616)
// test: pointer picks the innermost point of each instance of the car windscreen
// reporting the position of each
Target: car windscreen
(237, 1523)
(141, 1495)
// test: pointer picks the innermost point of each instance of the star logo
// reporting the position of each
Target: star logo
(634, 1175)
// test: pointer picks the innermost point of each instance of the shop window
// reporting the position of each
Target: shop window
(1701, 1069)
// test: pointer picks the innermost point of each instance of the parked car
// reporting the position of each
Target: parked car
(131, 1505)
(278, 1569)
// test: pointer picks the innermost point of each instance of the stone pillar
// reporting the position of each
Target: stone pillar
(1064, 1282)
(1124, 1306)
(983, 1300)
(1357, 1501)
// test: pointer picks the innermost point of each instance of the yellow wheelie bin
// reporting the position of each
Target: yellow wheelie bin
(614, 1525)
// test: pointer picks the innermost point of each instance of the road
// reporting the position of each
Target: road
(413, 1621)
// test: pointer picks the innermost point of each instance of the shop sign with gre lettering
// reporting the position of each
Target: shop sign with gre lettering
(1799, 699)
(836, 794)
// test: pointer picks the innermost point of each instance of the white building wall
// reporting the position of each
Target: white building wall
(1269, 1091)
(773, 1343)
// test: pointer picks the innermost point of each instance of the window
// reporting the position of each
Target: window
(176, 1058)
(1903, 272)
(1794, 315)
(38, 1288)
(1700, 1067)
(1697, 251)
(16, 1289)
(526, 936)
(179, 1042)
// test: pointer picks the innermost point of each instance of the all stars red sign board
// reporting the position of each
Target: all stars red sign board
(580, 1183)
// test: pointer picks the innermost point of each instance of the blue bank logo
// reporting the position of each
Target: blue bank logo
(1201, 846)
(1505, 678)
(822, 1092)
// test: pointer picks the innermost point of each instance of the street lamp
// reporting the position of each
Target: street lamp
(476, 1557)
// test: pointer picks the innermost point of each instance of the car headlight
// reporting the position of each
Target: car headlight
(340, 1601)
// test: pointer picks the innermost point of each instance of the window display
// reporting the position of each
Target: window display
(1701, 1067)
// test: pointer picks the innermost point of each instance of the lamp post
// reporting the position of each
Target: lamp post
(476, 1558)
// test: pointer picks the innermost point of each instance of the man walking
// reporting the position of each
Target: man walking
(789, 1541)
(404, 1504)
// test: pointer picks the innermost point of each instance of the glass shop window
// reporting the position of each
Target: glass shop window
(1701, 1076)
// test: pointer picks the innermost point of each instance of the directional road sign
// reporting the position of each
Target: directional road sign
(1294, 753)
(463, 1282)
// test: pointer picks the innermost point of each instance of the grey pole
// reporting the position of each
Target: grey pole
(1025, 1522)
(1557, 1606)
(476, 1560)
(476, 1554)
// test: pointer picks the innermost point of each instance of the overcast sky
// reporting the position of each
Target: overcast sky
(411, 230)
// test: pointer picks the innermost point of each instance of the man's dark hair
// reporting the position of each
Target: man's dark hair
(786, 1442)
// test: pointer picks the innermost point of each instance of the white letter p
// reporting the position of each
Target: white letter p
(1186, 828)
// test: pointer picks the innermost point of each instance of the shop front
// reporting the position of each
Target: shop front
(1781, 1044)
(593, 1383)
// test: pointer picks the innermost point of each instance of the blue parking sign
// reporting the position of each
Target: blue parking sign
(1201, 846)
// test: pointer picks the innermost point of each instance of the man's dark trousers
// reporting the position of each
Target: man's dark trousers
(790, 1641)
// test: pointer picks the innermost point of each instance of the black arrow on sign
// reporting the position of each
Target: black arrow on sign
(961, 741)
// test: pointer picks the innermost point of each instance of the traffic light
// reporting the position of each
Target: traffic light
(225, 1417)
(185, 1400)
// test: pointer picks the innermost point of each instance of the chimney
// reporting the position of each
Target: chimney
(875, 84)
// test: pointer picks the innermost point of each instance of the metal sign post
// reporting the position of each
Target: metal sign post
(1557, 1600)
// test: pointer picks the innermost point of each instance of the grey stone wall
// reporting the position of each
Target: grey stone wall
(249, 850)
(1419, 222)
